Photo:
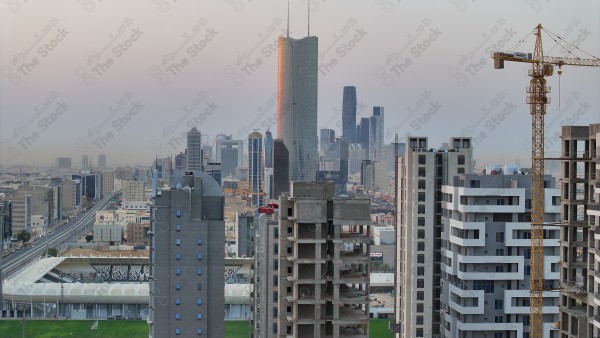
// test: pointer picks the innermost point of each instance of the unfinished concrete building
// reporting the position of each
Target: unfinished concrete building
(323, 263)
(580, 232)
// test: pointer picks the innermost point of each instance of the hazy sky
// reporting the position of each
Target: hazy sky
(128, 78)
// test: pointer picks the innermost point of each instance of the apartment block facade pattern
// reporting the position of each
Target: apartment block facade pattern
(486, 256)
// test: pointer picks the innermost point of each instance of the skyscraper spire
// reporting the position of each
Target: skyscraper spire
(288, 21)
(308, 9)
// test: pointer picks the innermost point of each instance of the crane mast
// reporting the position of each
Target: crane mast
(542, 66)
(537, 100)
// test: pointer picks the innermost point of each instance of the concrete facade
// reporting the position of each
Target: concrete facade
(421, 173)
(187, 261)
(324, 263)
(580, 232)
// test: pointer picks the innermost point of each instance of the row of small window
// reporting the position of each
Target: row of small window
(178, 316)
(178, 271)
(178, 331)
(178, 240)
(178, 256)
(178, 301)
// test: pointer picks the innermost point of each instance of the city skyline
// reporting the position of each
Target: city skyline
(433, 77)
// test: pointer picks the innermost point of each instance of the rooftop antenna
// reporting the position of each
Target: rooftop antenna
(288, 21)
(308, 9)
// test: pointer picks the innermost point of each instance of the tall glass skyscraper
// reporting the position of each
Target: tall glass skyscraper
(255, 167)
(349, 114)
(297, 104)
(268, 149)
(194, 151)
(376, 134)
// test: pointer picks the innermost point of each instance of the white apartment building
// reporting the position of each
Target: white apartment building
(486, 256)
(421, 173)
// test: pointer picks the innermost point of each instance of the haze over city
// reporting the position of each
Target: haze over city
(130, 78)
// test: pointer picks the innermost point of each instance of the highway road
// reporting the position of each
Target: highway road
(67, 233)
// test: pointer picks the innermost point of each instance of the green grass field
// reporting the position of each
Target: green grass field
(129, 329)
(378, 328)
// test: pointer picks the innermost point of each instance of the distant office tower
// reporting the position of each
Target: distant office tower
(486, 256)
(376, 134)
(281, 162)
(134, 194)
(580, 227)
(70, 194)
(187, 261)
(229, 153)
(268, 149)
(180, 161)
(245, 240)
(102, 161)
(363, 137)
(356, 155)
(266, 263)
(349, 114)
(323, 264)
(297, 104)
(56, 204)
(63, 162)
(421, 174)
(269, 165)
(85, 164)
(194, 151)
(6, 229)
(367, 174)
(326, 139)
(108, 182)
(255, 168)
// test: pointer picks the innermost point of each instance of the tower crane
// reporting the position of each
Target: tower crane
(542, 66)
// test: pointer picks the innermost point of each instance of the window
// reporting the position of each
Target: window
(420, 283)
(275, 280)
(178, 331)
(419, 320)
(199, 256)
(527, 270)
(178, 227)
(421, 221)
(177, 286)
(421, 172)
(461, 159)
(500, 237)
(178, 213)
(486, 285)
(199, 316)
(498, 319)
(178, 316)
(499, 268)
(275, 264)
(422, 159)
(474, 183)
(178, 242)
(199, 330)
(420, 307)
(421, 209)
(421, 234)
(499, 252)
(420, 258)
(498, 304)
(460, 170)
(498, 335)
(421, 246)
(421, 184)
(199, 301)
(178, 271)
(199, 242)
(420, 271)
(275, 233)
(421, 196)
(420, 295)
(199, 271)
(177, 301)
(419, 332)
(527, 254)
(276, 249)
(178, 256)
(199, 287)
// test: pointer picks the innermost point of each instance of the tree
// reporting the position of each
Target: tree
(24, 236)
(53, 252)
(88, 238)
